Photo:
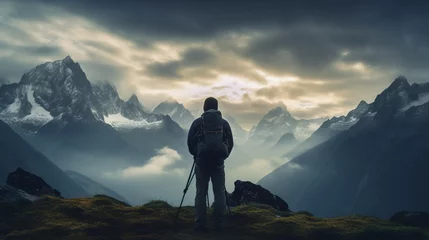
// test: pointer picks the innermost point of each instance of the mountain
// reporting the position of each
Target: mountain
(15, 153)
(285, 143)
(176, 111)
(92, 187)
(134, 101)
(331, 128)
(82, 126)
(376, 167)
(108, 97)
(277, 122)
(52, 90)
(240, 135)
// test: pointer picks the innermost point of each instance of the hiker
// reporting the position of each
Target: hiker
(210, 141)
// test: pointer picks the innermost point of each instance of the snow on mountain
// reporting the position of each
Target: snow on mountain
(61, 90)
(118, 121)
(108, 97)
(332, 127)
(277, 122)
(176, 111)
(50, 90)
(383, 144)
(345, 122)
(38, 113)
(82, 126)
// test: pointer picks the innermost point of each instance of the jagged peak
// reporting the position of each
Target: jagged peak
(399, 82)
(105, 84)
(362, 103)
(68, 60)
(133, 99)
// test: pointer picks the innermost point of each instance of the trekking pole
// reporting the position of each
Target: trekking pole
(227, 202)
(188, 183)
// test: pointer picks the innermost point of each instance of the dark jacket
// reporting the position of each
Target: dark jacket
(195, 130)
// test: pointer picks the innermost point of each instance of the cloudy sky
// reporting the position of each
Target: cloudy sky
(319, 57)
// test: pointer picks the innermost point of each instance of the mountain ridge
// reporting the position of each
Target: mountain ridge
(372, 158)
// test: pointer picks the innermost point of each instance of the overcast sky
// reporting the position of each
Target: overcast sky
(319, 57)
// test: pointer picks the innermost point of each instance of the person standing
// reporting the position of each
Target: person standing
(210, 141)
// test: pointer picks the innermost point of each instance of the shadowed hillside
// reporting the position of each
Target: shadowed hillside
(102, 217)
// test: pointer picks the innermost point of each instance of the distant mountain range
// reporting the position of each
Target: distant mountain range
(278, 122)
(375, 162)
(176, 111)
(184, 117)
(82, 126)
(331, 128)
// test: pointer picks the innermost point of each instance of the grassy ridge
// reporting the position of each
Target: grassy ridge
(102, 217)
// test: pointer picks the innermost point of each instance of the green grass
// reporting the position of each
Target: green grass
(103, 217)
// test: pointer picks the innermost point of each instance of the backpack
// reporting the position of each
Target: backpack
(211, 144)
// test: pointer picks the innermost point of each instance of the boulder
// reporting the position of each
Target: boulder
(9, 193)
(415, 219)
(246, 192)
(30, 183)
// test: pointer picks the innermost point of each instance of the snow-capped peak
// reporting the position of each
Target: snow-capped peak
(134, 100)
(176, 111)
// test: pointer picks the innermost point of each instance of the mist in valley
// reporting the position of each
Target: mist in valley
(164, 176)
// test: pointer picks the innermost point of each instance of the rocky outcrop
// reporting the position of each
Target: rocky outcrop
(30, 183)
(246, 192)
(11, 194)
(415, 219)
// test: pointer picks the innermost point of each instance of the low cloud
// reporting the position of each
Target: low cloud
(157, 165)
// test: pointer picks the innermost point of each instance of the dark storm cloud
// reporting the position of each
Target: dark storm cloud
(32, 50)
(197, 56)
(308, 38)
(205, 19)
(190, 59)
(168, 70)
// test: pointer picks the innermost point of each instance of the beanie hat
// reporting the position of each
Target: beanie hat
(210, 103)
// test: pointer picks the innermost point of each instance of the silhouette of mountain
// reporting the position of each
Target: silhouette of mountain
(15, 153)
(92, 187)
(376, 167)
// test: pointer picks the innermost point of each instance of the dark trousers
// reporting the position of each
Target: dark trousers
(203, 175)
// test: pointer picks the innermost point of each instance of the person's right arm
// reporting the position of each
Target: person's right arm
(192, 139)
